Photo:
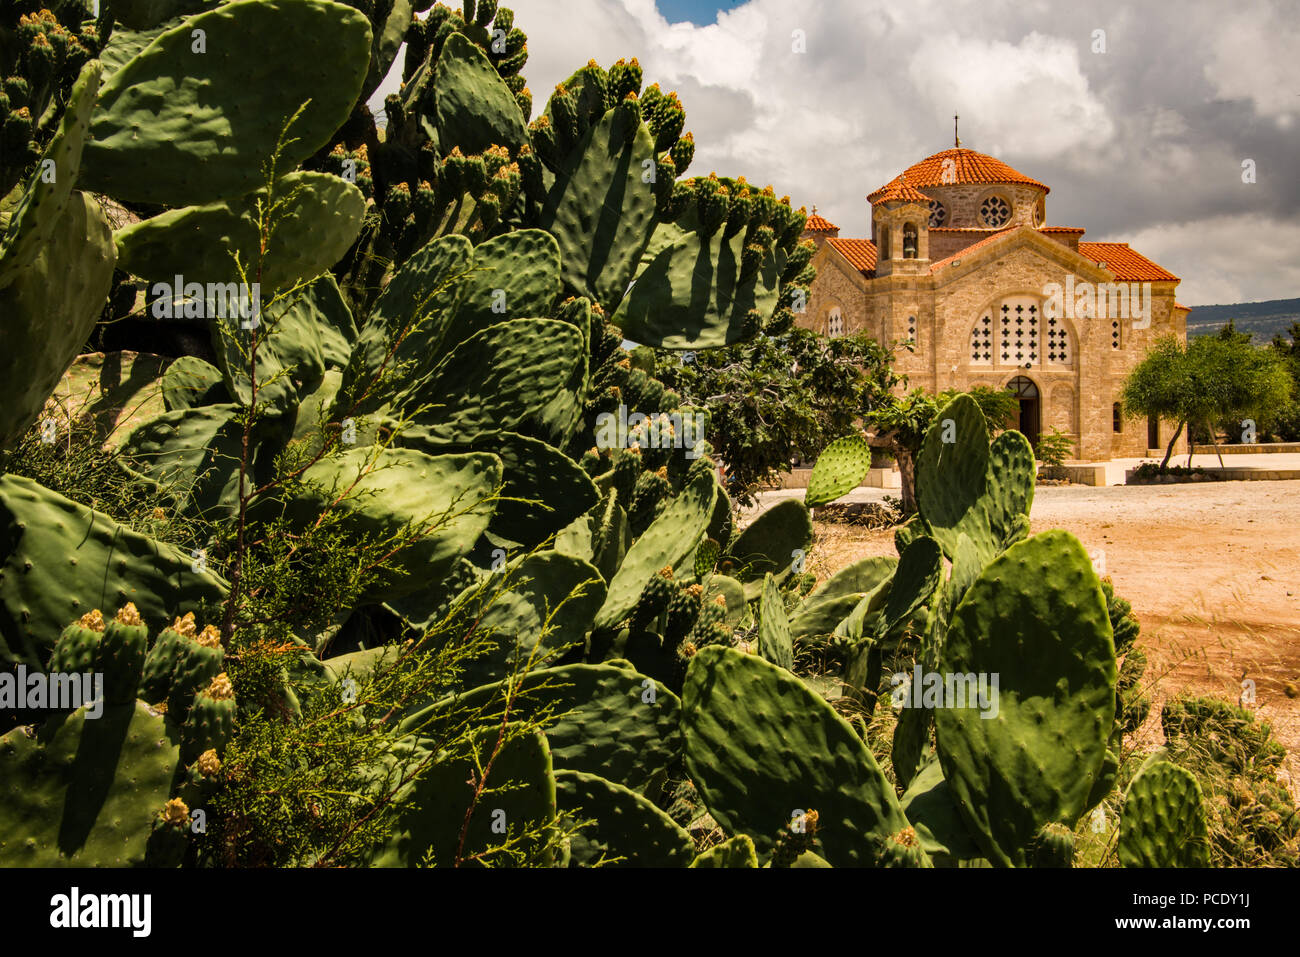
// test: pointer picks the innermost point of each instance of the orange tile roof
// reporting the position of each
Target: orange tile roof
(971, 248)
(861, 254)
(967, 166)
(1179, 305)
(819, 224)
(1062, 229)
(1125, 263)
(900, 190)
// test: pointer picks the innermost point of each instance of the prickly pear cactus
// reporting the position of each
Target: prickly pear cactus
(1163, 820)
(85, 792)
(842, 467)
(763, 750)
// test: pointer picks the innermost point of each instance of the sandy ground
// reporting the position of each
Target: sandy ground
(1212, 571)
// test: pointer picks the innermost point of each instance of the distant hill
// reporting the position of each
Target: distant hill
(1260, 319)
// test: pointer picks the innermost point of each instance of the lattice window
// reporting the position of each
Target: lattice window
(1114, 334)
(1059, 351)
(994, 211)
(911, 328)
(981, 342)
(1018, 333)
(835, 324)
(938, 214)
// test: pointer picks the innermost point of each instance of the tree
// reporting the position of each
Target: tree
(1286, 424)
(1211, 379)
(778, 398)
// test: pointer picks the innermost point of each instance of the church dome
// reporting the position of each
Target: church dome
(957, 167)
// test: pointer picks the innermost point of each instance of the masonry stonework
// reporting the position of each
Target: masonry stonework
(969, 302)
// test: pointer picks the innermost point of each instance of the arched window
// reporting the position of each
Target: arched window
(909, 241)
(1116, 419)
(1018, 331)
(835, 323)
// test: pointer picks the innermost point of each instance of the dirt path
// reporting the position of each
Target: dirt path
(1212, 571)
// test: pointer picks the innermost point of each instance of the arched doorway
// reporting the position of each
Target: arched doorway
(1031, 408)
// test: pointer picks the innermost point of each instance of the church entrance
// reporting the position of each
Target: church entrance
(1030, 408)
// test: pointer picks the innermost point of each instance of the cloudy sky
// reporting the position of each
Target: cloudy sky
(1138, 116)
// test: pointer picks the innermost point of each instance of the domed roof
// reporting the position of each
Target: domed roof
(959, 166)
(900, 189)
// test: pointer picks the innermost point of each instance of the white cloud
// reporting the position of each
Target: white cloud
(1141, 144)
(1209, 255)
(1054, 110)
(1253, 57)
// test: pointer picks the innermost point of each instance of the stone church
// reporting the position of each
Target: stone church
(961, 263)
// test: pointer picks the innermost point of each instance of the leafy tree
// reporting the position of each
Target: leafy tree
(1286, 424)
(778, 398)
(1213, 378)
(1053, 449)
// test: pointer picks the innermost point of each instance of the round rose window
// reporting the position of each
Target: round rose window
(994, 211)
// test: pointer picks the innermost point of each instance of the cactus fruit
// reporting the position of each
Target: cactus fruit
(211, 719)
(162, 658)
(655, 597)
(77, 649)
(1053, 846)
(199, 662)
(121, 655)
(761, 748)
(842, 466)
(1163, 820)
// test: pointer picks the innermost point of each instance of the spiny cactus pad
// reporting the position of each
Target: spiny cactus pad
(317, 222)
(670, 540)
(176, 127)
(1036, 619)
(63, 559)
(773, 542)
(964, 486)
(84, 792)
(736, 851)
(842, 467)
(760, 747)
(432, 808)
(1163, 820)
(775, 642)
(626, 825)
(447, 495)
